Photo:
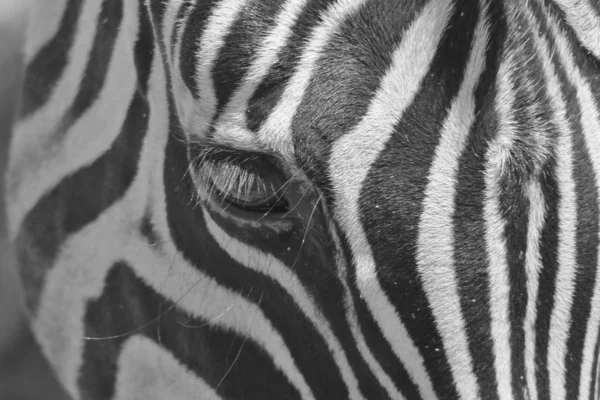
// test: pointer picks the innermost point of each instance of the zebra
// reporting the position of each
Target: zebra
(311, 199)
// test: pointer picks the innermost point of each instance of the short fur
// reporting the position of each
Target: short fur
(312, 199)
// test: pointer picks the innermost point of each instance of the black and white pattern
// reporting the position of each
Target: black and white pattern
(312, 199)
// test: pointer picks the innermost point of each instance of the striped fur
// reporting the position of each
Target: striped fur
(440, 165)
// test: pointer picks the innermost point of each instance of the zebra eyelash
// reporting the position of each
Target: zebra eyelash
(235, 178)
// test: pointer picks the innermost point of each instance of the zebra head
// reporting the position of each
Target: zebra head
(312, 198)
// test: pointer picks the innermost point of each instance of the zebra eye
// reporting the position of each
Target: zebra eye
(250, 182)
(244, 189)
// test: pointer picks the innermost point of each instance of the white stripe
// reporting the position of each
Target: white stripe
(86, 257)
(355, 152)
(533, 266)
(29, 131)
(276, 131)
(268, 265)
(206, 299)
(565, 285)
(498, 155)
(435, 256)
(182, 97)
(361, 344)
(561, 314)
(202, 297)
(232, 124)
(79, 277)
(43, 22)
(169, 27)
(58, 323)
(597, 377)
(147, 371)
(217, 309)
(590, 122)
(499, 284)
(590, 343)
(38, 160)
(215, 32)
(585, 21)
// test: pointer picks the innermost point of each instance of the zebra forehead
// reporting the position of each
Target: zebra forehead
(296, 84)
(307, 82)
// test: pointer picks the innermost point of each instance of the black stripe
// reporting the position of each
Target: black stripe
(586, 194)
(470, 251)
(190, 43)
(374, 338)
(103, 47)
(82, 196)
(396, 185)
(555, 11)
(589, 69)
(532, 115)
(587, 263)
(148, 232)
(240, 46)
(306, 250)
(179, 27)
(269, 92)
(547, 276)
(157, 9)
(594, 376)
(189, 233)
(49, 63)
(514, 208)
(587, 61)
(470, 254)
(549, 258)
(127, 305)
(344, 82)
(596, 6)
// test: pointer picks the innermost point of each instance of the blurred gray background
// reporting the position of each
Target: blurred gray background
(24, 375)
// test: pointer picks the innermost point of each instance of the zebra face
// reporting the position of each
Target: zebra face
(316, 199)
(337, 163)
